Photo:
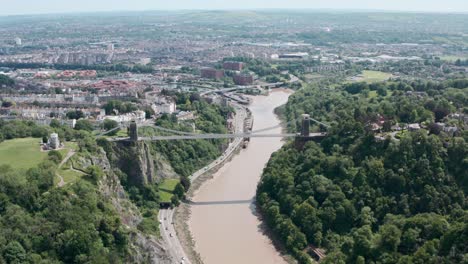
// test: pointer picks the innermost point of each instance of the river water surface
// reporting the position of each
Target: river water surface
(223, 224)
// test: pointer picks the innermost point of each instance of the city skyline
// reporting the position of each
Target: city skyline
(23, 7)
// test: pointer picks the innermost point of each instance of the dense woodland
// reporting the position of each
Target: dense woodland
(368, 199)
(40, 223)
(187, 156)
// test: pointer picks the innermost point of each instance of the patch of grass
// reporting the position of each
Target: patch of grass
(374, 94)
(21, 153)
(69, 176)
(166, 189)
(165, 197)
(71, 145)
(313, 75)
(452, 58)
(122, 133)
(375, 76)
(168, 185)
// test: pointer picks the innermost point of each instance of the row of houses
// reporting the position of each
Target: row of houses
(34, 112)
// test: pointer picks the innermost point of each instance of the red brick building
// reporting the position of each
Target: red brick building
(243, 79)
(210, 73)
(233, 65)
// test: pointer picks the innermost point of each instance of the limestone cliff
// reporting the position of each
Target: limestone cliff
(136, 160)
(143, 248)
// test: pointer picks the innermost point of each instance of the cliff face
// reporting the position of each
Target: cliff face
(143, 248)
(136, 160)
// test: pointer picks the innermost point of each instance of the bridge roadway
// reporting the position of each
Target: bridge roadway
(216, 136)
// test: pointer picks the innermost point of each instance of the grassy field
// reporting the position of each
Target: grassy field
(120, 133)
(375, 76)
(373, 94)
(69, 176)
(453, 58)
(71, 145)
(166, 188)
(165, 197)
(370, 77)
(21, 153)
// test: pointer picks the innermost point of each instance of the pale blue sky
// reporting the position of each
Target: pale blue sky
(11, 7)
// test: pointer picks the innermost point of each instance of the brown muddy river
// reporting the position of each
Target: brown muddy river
(223, 223)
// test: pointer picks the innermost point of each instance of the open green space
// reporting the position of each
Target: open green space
(25, 153)
(370, 77)
(120, 133)
(165, 197)
(166, 189)
(375, 76)
(69, 175)
(71, 145)
(21, 153)
(373, 94)
(453, 58)
(169, 185)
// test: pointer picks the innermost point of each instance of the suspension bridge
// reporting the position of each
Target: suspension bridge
(303, 136)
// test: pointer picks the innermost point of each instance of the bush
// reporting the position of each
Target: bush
(55, 156)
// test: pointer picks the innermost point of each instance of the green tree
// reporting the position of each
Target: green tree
(84, 124)
(14, 253)
(109, 125)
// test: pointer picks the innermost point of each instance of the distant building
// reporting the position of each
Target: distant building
(18, 41)
(185, 116)
(210, 73)
(450, 130)
(243, 79)
(54, 142)
(164, 105)
(138, 116)
(164, 108)
(145, 61)
(233, 65)
(298, 55)
(414, 127)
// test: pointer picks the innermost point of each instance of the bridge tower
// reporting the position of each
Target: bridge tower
(133, 131)
(304, 136)
(305, 129)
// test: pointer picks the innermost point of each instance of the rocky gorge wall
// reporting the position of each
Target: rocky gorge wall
(143, 248)
(138, 162)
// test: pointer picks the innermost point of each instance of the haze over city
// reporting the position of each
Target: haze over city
(54, 6)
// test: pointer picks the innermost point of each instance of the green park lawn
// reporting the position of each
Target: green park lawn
(25, 153)
(21, 153)
(375, 76)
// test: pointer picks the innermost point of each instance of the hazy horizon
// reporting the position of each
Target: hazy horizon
(29, 7)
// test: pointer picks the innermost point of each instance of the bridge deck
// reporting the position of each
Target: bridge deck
(217, 136)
